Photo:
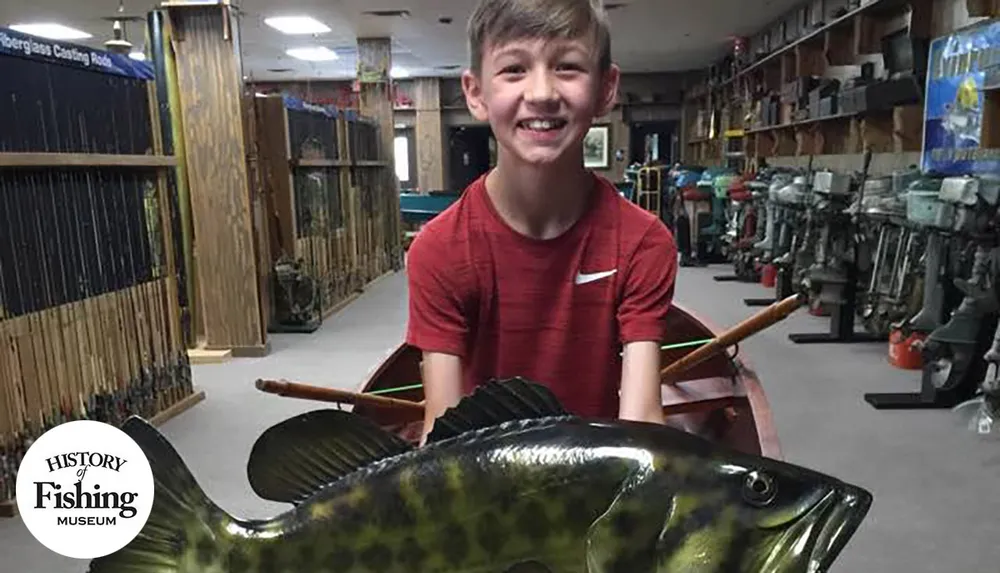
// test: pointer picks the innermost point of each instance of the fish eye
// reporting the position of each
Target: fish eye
(759, 489)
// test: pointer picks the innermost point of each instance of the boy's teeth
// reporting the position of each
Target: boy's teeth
(541, 124)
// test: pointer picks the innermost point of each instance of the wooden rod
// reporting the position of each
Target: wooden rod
(323, 394)
(750, 326)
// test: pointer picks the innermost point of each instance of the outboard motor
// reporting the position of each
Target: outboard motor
(965, 210)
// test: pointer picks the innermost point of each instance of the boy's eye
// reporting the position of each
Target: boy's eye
(512, 69)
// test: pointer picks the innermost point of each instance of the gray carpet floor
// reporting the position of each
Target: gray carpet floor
(936, 507)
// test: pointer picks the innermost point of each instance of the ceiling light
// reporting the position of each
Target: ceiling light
(297, 25)
(314, 54)
(399, 73)
(138, 56)
(388, 13)
(51, 31)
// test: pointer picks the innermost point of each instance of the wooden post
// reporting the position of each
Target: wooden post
(430, 166)
(375, 102)
(210, 86)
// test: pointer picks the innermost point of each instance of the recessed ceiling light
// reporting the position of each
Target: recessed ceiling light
(51, 31)
(297, 25)
(388, 13)
(138, 56)
(399, 73)
(314, 54)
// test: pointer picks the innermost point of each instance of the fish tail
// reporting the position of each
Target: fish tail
(183, 524)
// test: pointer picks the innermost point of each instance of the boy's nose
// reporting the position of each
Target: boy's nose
(541, 88)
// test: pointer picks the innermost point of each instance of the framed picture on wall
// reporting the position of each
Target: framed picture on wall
(595, 148)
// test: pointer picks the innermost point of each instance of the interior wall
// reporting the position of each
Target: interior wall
(641, 97)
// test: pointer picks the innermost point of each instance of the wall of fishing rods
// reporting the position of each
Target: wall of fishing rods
(334, 226)
(908, 258)
(97, 310)
(90, 304)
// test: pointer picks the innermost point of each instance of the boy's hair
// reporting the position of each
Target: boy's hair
(501, 21)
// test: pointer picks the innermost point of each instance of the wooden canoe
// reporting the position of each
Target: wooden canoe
(724, 400)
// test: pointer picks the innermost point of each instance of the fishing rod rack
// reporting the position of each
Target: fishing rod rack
(335, 226)
(91, 295)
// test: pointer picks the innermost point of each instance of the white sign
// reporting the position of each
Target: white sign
(84, 489)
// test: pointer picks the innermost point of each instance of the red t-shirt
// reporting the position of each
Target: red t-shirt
(553, 311)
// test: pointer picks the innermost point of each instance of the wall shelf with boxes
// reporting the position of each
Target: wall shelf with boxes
(831, 78)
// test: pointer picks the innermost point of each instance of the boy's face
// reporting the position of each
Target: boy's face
(540, 97)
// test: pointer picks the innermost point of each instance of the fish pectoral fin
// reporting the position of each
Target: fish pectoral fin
(295, 458)
(624, 538)
(494, 403)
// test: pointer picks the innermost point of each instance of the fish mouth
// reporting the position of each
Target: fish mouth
(841, 513)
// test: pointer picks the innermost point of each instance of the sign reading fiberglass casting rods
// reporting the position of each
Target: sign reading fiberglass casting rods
(84, 489)
(17, 44)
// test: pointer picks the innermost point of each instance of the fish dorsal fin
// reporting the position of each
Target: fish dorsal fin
(295, 458)
(494, 403)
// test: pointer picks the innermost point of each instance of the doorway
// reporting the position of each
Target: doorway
(470, 154)
(653, 142)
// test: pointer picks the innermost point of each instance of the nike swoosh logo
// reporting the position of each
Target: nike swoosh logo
(582, 279)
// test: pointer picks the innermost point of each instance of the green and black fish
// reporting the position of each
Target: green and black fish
(508, 482)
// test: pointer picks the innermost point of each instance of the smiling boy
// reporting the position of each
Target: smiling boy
(541, 269)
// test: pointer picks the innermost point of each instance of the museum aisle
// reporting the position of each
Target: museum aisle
(933, 483)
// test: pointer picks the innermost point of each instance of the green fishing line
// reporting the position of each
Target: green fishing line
(686, 344)
(681, 345)
(399, 389)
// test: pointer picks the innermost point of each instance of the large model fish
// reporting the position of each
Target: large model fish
(507, 483)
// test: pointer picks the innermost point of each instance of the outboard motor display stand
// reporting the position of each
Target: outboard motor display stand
(843, 314)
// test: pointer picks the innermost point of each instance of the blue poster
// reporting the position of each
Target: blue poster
(14, 43)
(959, 66)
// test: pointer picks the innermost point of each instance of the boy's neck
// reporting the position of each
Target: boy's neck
(540, 203)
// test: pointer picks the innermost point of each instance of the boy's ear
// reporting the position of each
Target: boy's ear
(608, 90)
(473, 89)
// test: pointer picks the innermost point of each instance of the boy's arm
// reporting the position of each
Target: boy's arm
(648, 294)
(442, 377)
(436, 324)
(641, 399)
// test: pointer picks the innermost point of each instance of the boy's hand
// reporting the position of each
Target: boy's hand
(641, 394)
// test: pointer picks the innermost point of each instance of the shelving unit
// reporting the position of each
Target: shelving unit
(330, 193)
(90, 301)
(765, 97)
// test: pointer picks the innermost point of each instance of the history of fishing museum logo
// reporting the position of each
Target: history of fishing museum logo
(84, 489)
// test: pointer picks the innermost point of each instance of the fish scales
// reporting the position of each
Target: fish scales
(472, 506)
(552, 494)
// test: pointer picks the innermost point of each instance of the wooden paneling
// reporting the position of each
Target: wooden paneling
(210, 88)
(427, 102)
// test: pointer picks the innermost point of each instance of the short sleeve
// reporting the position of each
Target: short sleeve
(649, 287)
(437, 321)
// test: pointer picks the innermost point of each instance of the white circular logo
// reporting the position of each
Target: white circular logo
(84, 489)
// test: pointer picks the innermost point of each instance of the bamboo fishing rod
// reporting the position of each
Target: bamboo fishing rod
(324, 394)
(748, 327)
